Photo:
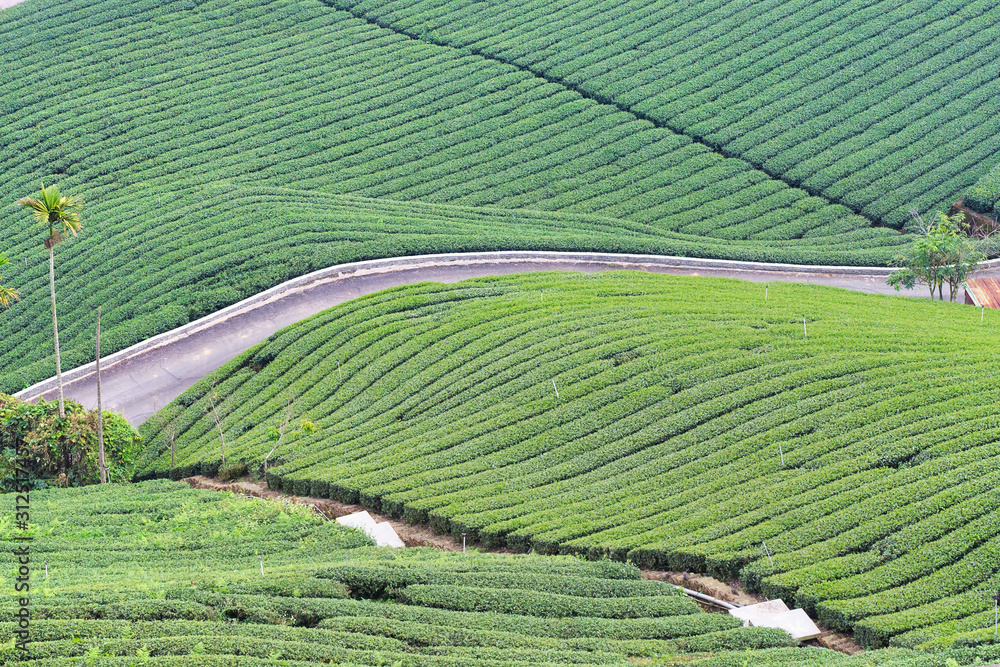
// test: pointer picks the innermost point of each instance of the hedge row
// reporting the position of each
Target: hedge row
(882, 108)
(530, 603)
(439, 404)
(259, 150)
(984, 196)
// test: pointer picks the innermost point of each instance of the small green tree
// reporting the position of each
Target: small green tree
(942, 255)
(7, 294)
(277, 433)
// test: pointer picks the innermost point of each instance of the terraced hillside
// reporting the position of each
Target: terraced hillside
(117, 594)
(222, 244)
(880, 105)
(160, 574)
(679, 423)
(262, 129)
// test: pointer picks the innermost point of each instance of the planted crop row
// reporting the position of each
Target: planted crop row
(984, 196)
(678, 423)
(137, 572)
(249, 139)
(880, 105)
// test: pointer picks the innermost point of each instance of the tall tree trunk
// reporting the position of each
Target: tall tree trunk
(55, 329)
(100, 407)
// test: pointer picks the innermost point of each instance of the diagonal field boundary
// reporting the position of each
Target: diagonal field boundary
(600, 99)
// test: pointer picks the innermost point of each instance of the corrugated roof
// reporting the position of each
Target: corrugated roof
(985, 291)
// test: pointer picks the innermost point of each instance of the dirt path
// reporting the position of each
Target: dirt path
(145, 377)
(412, 536)
(423, 536)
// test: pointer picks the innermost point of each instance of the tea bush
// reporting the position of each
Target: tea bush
(306, 137)
(677, 423)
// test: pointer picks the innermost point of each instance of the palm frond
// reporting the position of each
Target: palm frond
(8, 296)
(54, 209)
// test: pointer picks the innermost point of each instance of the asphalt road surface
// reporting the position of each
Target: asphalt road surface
(147, 376)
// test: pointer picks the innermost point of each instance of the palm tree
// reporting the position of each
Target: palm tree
(61, 215)
(7, 294)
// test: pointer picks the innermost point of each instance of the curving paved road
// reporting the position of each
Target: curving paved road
(139, 380)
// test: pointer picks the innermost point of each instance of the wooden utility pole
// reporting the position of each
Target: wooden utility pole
(100, 407)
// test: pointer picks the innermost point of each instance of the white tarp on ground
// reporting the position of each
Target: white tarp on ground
(776, 614)
(385, 536)
(762, 609)
(383, 533)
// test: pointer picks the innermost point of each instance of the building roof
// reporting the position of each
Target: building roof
(984, 291)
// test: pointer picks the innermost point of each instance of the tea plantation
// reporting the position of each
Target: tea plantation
(236, 241)
(879, 105)
(161, 568)
(160, 574)
(255, 134)
(678, 423)
(840, 451)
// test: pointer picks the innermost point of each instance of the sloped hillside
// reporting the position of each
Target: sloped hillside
(680, 423)
(240, 124)
(881, 106)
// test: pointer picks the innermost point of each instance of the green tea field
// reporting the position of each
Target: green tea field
(590, 434)
(160, 574)
(222, 147)
(679, 423)
(878, 105)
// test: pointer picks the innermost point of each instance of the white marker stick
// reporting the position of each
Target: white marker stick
(768, 553)
(554, 387)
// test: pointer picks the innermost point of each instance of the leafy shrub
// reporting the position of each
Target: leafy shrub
(232, 471)
(62, 452)
(984, 196)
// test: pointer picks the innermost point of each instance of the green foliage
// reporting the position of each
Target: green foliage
(171, 575)
(881, 107)
(62, 452)
(661, 447)
(984, 196)
(942, 255)
(59, 213)
(378, 146)
(529, 603)
(8, 295)
(232, 471)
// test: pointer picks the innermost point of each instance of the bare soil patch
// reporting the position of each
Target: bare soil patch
(423, 536)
